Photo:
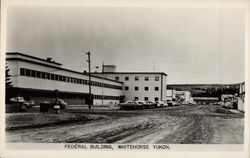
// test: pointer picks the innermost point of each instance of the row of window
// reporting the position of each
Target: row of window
(145, 88)
(104, 97)
(146, 98)
(56, 77)
(146, 78)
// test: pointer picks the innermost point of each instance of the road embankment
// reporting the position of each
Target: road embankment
(16, 121)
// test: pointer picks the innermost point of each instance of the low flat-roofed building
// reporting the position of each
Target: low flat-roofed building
(206, 99)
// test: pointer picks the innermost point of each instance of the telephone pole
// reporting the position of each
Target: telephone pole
(90, 96)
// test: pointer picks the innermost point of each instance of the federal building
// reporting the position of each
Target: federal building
(39, 79)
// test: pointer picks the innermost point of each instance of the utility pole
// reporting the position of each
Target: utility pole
(102, 80)
(89, 61)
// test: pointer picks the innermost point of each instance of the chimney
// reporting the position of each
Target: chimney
(49, 59)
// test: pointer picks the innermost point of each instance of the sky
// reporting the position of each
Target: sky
(191, 45)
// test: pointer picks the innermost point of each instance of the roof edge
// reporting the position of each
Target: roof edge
(33, 57)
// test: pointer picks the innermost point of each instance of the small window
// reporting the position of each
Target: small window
(126, 78)
(56, 77)
(156, 88)
(136, 98)
(52, 76)
(146, 98)
(48, 76)
(136, 78)
(146, 78)
(156, 99)
(146, 88)
(126, 88)
(27, 72)
(117, 78)
(43, 74)
(22, 72)
(136, 88)
(157, 78)
(33, 73)
(38, 74)
(60, 78)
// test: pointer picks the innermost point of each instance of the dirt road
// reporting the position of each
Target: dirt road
(188, 124)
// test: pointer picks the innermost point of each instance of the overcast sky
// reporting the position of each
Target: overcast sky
(191, 45)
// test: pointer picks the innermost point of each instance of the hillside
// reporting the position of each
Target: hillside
(207, 90)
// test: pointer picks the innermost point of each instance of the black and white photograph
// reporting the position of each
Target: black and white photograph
(125, 77)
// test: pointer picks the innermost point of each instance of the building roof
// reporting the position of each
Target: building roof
(33, 57)
(131, 73)
(43, 64)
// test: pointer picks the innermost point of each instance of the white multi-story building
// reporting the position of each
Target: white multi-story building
(37, 79)
(140, 85)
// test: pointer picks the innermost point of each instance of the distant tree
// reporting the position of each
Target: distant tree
(8, 82)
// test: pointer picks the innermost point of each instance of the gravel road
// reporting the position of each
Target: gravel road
(185, 124)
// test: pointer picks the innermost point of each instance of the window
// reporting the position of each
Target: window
(157, 78)
(136, 78)
(126, 88)
(43, 75)
(56, 77)
(126, 78)
(136, 98)
(27, 72)
(156, 99)
(117, 78)
(146, 78)
(156, 88)
(48, 76)
(39, 74)
(33, 73)
(136, 88)
(52, 76)
(146, 98)
(146, 88)
(22, 72)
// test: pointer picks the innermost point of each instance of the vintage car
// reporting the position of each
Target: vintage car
(161, 104)
(150, 104)
(132, 105)
(24, 103)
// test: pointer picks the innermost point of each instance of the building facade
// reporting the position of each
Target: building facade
(37, 79)
(185, 95)
(171, 94)
(150, 86)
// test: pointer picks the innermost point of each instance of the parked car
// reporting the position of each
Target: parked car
(151, 104)
(165, 103)
(160, 103)
(170, 102)
(221, 103)
(132, 105)
(27, 104)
